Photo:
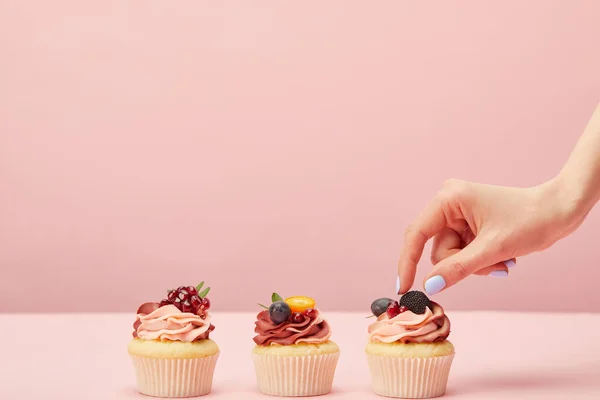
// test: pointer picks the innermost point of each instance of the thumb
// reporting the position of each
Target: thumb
(460, 265)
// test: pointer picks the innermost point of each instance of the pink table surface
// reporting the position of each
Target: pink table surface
(499, 356)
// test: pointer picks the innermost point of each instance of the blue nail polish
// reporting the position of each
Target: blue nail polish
(501, 273)
(398, 285)
(434, 284)
(510, 263)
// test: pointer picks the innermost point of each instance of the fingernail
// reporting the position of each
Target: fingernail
(509, 263)
(398, 285)
(501, 273)
(434, 284)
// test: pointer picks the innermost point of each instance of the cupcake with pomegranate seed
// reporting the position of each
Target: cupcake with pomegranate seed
(171, 350)
(293, 355)
(408, 352)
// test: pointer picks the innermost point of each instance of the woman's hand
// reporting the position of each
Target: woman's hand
(481, 229)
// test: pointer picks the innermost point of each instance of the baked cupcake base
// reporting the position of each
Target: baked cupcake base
(296, 370)
(173, 368)
(412, 371)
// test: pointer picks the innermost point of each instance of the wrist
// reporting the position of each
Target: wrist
(573, 198)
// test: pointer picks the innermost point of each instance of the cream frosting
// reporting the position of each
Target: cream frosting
(169, 323)
(408, 327)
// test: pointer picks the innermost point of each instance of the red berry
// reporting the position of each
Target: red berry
(164, 302)
(402, 309)
(191, 290)
(180, 288)
(187, 307)
(205, 303)
(393, 310)
(310, 313)
(178, 303)
(183, 295)
(172, 295)
(297, 318)
(195, 301)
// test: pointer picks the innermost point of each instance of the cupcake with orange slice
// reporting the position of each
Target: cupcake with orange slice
(294, 355)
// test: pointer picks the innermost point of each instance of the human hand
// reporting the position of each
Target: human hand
(476, 228)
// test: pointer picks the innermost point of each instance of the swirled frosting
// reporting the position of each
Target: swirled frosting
(315, 330)
(409, 327)
(169, 323)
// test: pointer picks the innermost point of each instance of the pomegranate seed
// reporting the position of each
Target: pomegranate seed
(172, 294)
(310, 313)
(180, 288)
(297, 318)
(178, 303)
(164, 302)
(191, 290)
(195, 301)
(402, 309)
(205, 303)
(187, 307)
(183, 295)
(393, 310)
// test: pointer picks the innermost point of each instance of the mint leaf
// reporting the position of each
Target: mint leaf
(263, 306)
(199, 286)
(204, 293)
(275, 297)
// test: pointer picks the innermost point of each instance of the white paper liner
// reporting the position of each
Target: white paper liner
(295, 375)
(409, 378)
(163, 377)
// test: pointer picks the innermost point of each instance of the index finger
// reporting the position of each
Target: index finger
(431, 221)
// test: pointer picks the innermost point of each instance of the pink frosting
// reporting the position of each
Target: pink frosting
(168, 323)
(407, 327)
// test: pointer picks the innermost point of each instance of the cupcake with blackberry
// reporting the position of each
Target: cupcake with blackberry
(408, 352)
(294, 355)
(171, 350)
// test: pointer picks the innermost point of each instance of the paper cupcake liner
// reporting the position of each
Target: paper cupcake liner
(163, 377)
(410, 378)
(295, 375)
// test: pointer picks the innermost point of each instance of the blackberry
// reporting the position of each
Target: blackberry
(415, 301)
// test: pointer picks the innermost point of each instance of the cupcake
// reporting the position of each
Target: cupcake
(171, 351)
(293, 355)
(408, 354)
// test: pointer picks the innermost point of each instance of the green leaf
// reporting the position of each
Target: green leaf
(370, 316)
(275, 297)
(199, 286)
(203, 293)
(263, 306)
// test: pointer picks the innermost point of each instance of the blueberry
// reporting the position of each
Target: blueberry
(380, 306)
(279, 312)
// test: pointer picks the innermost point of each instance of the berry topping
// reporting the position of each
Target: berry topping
(279, 312)
(403, 309)
(415, 301)
(164, 302)
(310, 313)
(300, 303)
(393, 310)
(191, 290)
(187, 299)
(380, 306)
(205, 303)
(183, 295)
(195, 301)
(187, 307)
(297, 318)
(177, 303)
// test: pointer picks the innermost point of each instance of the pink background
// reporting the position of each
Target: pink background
(266, 146)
